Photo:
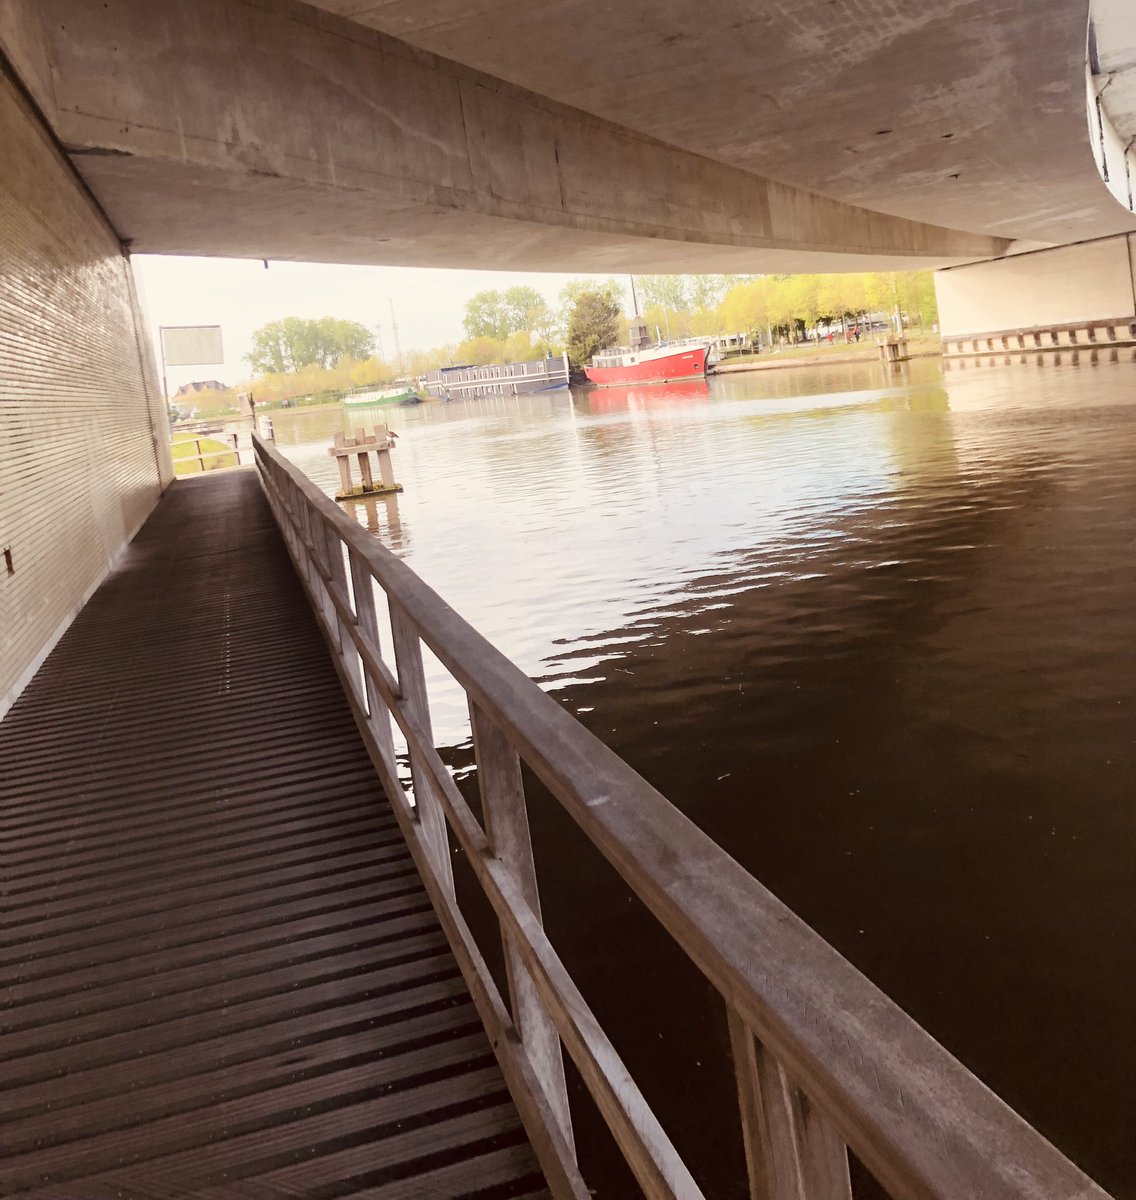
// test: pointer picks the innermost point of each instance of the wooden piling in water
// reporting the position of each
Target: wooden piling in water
(362, 445)
(893, 350)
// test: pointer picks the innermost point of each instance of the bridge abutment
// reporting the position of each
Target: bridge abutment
(1081, 295)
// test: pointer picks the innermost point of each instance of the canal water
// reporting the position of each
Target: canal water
(875, 632)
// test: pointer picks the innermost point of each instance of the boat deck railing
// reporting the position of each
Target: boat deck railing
(824, 1061)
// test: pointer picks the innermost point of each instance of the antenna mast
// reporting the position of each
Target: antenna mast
(394, 330)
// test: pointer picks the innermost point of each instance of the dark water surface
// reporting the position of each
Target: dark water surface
(876, 634)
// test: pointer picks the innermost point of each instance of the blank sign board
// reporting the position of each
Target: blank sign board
(192, 345)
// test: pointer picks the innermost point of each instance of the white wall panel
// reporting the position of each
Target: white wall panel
(83, 439)
(1083, 282)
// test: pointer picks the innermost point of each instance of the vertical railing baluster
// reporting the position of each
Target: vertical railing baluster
(378, 715)
(792, 1152)
(307, 525)
(348, 655)
(333, 559)
(299, 507)
(825, 1155)
(322, 564)
(412, 689)
(292, 505)
(507, 828)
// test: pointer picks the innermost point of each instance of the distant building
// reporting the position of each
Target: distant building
(205, 385)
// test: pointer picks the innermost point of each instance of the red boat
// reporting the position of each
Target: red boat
(648, 364)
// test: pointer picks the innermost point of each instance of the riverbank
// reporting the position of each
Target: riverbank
(919, 346)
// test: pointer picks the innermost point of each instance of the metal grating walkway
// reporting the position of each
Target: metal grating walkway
(219, 973)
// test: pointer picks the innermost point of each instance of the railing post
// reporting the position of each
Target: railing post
(311, 560)
(507, 828)
(341, 631)
(378, 716)
(412, 689)
(792, 1152)
(321, 566)
(295, 522)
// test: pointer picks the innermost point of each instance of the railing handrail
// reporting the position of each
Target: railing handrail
(918, 1119)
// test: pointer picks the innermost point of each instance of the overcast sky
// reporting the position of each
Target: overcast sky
(240, 296)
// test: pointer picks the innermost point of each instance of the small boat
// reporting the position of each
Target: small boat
(382, 397)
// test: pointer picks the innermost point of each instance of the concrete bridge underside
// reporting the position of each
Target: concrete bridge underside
(566, 134)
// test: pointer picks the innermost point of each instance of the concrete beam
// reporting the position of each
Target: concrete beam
(964, 113)
(267, 128)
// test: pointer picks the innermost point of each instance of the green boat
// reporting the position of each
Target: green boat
(381, 398)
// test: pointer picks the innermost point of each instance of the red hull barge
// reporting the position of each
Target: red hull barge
(655, 364)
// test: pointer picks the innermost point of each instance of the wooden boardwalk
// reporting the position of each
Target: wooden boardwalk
(220, 975)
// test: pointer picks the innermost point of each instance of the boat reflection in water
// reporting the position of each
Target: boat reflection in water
(647, 397)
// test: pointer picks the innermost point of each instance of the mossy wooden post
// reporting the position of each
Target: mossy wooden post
(361, 445)
(343, 462)
(893, 349)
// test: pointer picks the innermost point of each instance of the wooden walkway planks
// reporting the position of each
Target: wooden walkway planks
(220, 975)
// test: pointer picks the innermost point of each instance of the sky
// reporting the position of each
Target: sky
(241, 296)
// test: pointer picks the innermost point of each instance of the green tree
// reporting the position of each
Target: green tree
(497, 315)
(480, 351)
(917, 297)
(518, 347)
(526, 310)
(745, 307)
(593, 324)
(668, 292)
(575, 288)
(706, 291)
(293, 343)
(343, 341)
(486, 316)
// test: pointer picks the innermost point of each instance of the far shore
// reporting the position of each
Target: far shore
(774, 361)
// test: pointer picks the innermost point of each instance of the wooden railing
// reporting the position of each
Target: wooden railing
(824, 1060)
(235, 445)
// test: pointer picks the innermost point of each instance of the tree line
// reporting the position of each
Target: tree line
(518, 323)
(294, 356)
(291, 344)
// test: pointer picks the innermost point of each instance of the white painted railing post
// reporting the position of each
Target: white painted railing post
(378, 716)
(412, 689)
(792, 1152)
(507, 829)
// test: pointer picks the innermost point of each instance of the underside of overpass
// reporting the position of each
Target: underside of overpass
(562, 133)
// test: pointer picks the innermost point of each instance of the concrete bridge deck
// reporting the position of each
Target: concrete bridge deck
(220, 974)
